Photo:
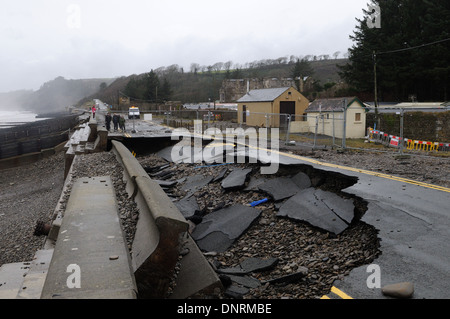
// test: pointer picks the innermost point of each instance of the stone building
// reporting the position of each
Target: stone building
(234, 89)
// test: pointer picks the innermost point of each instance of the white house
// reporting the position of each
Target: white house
(328, 116)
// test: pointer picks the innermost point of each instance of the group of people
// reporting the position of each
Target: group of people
(118, 122)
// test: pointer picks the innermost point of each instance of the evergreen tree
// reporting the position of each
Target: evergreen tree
(166, 91)
(410, 52)
(301, 69)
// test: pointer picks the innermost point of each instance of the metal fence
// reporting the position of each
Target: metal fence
(401, 129)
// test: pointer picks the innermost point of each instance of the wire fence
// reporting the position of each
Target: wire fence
(399, 129)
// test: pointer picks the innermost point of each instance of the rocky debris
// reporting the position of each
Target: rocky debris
(246, 281)
(301, 272)
(309, 259)
(250, 265)
(402, 290)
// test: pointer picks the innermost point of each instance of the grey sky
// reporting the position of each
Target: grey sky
(43, 39)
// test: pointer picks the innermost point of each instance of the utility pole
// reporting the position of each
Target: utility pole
(374, 57)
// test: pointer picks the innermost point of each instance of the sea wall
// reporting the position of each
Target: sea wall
(37, 136)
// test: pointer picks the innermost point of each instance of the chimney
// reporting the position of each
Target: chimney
(248, 86)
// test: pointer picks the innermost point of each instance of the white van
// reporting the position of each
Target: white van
(133, 112)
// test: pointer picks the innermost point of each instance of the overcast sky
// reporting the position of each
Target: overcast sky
(43, 39)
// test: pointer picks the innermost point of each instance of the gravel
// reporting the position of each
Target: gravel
(31, 193)
(27, 194)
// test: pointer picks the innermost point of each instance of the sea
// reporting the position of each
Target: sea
(15, 118)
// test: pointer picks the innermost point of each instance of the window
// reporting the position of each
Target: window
(357, 117)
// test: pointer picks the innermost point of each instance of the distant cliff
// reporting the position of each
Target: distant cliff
(52, 96)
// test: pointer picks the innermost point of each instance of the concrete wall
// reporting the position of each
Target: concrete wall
(36, 136)
(300, 127)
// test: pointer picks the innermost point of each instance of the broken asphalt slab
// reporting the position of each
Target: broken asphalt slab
(279, 188)
(187, 206)
(283, 187)
(236, 179)
(219, 229)
(319, 208)
(195, 182)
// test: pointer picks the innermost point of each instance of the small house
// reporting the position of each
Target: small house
(328, 117)
(270, 107)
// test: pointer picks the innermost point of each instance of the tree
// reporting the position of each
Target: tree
(143, 88)
(301, 69)
(166, 92)
(195, 67)
(410, 52)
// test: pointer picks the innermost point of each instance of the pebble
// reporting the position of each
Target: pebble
(402, 290)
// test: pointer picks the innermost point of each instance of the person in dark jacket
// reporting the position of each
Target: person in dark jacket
(108, 121)
(115, 120)
(122, 123)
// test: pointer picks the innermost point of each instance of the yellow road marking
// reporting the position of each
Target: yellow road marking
(340, 293)
(337, 292)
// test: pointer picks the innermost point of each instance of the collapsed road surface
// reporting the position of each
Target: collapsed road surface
(410, 218)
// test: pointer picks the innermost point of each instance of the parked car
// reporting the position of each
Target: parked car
(133, 112)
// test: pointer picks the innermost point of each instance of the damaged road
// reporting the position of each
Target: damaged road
(237, 214)
(393, 223)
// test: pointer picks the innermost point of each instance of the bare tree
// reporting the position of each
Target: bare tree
(227, 65)
(195, 67)
(217, 66)
(336, 54)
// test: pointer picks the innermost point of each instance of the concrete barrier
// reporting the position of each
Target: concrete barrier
(156, 246)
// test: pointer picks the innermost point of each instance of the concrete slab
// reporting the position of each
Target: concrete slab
(34, 280)
(236, 179)
(196, 274)
(279, 188)
(318, 208)
(91, 242)
(11, 278)
(218, 230)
